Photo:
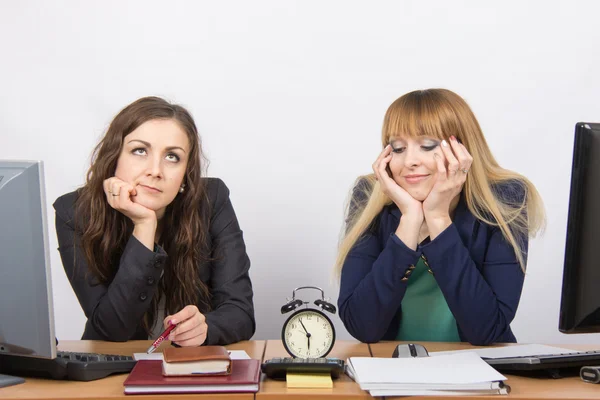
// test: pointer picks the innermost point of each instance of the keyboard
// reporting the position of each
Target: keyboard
(68, 365)
(277, 368)
(545, 361)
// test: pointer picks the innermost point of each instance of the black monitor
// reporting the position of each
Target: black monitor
(580, 297)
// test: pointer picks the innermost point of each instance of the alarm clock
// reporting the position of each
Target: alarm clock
(308, 332)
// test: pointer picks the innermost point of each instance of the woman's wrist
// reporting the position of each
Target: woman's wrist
(437, 224)
(145, 232)
(408, 230)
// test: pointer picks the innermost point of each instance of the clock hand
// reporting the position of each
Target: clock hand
(307, 334)
(304, 328)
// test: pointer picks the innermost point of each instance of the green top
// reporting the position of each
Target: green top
(425, 313)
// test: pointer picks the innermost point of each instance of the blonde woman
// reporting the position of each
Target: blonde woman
(436, 239)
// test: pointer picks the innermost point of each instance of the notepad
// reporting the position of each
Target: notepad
(146, 377)
(309, 381)
(201, 360)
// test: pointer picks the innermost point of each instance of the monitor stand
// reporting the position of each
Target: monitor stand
(7, 380)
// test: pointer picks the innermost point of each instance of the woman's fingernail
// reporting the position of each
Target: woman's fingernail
(452, 137)
(172, 322)
(444, 143)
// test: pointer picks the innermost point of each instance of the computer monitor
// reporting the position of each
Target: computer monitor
(580, 297)
(26, 314)
(28, 346)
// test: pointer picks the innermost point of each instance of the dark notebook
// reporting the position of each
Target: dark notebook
(147, 377)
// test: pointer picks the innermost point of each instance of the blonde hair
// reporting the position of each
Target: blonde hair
(440, 113)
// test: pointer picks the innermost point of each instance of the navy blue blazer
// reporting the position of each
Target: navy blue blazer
(474, 266)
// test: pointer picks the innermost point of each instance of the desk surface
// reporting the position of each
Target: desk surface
(343, 387)
(112, 387)
(521, 387)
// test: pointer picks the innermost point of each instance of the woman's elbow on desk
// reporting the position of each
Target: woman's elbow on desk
(363, 331)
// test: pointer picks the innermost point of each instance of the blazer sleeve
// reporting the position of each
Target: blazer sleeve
(371, 287)
(232, 317)
(484, 302)
(113, 311)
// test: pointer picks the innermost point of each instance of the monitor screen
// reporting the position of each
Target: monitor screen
(580, 297)
(26, 314)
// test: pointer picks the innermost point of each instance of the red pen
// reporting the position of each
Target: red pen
(162, 337)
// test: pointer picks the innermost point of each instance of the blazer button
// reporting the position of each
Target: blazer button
(143, 296)
(156, 263)
(150, 280)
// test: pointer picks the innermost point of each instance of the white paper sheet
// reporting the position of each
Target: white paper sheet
(509, 351)
(234, 354)
(409, 392)
(460, 368)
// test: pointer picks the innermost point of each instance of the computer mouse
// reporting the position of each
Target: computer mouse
(410, 350)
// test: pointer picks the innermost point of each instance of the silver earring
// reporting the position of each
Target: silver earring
(182, 188)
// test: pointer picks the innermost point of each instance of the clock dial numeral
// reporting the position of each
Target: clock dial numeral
(308, 334)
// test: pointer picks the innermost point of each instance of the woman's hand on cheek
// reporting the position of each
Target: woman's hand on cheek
(448, 185)
(409, 206)
(191, 327)
(119, 196)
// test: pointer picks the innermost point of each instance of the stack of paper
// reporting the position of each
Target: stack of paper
(444, 375)
(519, 350)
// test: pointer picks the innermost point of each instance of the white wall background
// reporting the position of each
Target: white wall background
(289, 98)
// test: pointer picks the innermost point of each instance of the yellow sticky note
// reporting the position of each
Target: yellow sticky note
(301, 380)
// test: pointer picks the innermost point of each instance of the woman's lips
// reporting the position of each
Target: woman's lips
(415, 178)
(151, 189)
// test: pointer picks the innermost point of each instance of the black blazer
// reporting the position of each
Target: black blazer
(114, 312)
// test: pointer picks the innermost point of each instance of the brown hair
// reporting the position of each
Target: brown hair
(440, 113)
(105, 231)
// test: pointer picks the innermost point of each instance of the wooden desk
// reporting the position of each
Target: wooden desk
(112, 387)
(521, 387)
(343, 387)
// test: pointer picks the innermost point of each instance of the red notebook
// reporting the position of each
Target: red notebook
(146, 377)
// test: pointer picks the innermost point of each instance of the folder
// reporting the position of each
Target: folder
(147, 377)
(446, 375)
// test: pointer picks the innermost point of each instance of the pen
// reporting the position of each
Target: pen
(162, 337)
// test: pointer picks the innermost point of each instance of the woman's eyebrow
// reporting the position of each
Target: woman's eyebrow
(175, 148)
(141, 141)
(170, 148)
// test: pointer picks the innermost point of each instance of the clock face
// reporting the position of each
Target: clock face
(308, 334)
